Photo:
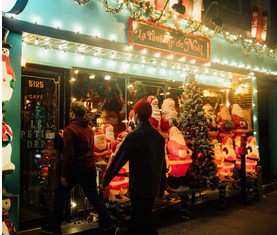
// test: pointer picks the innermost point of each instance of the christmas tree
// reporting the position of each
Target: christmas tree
(194, 127)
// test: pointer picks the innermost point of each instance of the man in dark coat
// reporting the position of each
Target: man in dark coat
(144, 148)
(78, 167)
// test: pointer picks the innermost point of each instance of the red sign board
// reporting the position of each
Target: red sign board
(144, 34)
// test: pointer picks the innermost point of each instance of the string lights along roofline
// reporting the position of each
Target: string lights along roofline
(144, 10)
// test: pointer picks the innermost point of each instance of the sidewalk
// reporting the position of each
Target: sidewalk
(207, 217)
(256, 218)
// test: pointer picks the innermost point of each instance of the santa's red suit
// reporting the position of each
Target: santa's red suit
(179, 155)
(179, 158)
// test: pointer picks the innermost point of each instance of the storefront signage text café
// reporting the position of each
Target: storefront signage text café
(160, 38)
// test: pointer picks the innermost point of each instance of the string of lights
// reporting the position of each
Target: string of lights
(143, 10)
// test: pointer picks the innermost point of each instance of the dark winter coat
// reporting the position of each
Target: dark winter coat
(78, 140)
(144, 148)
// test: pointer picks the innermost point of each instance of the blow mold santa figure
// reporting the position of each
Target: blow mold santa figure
(237, 141)
(179, 159)
(218, 157)
(118, 187)
(238, 117)
(252, 157)
(8, 75)
(101, 152)
(229, 156)
(211, 120)
(109, 133)
(168, 116)
(225, 122)
(155, 117)
(7, 166)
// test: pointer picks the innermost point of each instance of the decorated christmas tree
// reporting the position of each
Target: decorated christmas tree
(194, 127)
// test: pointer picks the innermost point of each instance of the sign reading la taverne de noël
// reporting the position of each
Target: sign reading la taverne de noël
(161, 38)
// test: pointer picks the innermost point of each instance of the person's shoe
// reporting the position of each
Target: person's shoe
(51, 229)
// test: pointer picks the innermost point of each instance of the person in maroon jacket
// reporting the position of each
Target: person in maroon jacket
(78, 167)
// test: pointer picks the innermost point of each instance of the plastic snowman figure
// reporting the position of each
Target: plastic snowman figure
(7, 166)
(7, 226)
(8, 75)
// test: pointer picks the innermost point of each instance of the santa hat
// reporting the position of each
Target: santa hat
(151, 98)
(142, 107)
(106, 126)
(5, 33)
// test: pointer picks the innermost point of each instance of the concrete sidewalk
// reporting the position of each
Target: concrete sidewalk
(207, 216)
(256, 218)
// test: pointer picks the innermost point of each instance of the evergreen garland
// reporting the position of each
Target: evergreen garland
(194, 127)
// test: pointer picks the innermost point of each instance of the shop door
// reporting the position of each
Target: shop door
(39, 152)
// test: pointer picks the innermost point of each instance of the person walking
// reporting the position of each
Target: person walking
(78, 167)
(144, 148)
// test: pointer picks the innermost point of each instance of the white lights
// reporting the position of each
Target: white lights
(107, 77)
(35, 20)
(57, 24)
(77, 29)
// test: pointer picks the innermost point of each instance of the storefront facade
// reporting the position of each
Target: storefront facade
(98, 52)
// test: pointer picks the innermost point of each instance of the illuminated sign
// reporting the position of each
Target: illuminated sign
(144, 34)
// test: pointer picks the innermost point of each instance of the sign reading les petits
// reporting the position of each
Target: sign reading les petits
(165, 39)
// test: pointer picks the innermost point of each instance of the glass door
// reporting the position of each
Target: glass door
(39, 154)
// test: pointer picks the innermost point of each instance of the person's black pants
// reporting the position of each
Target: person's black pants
(86, 177)
(141, 218)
